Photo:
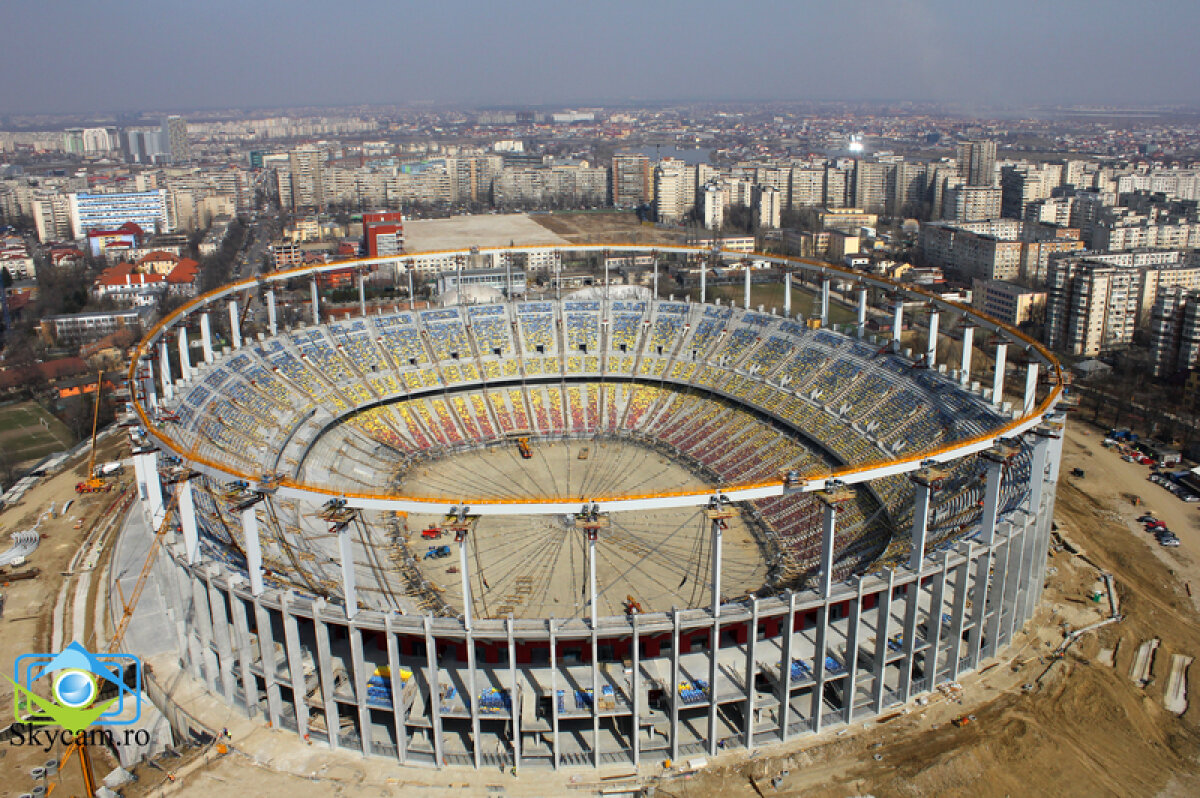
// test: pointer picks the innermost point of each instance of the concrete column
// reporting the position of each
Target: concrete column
(295, 659)
(325, 675)
(253, 550)
(595, 698)
(998, 375)
(266, 650)
(673, 688)
(202, 626)
(862, 312)
(920, 524)
(435, 699)
(358, 671)
(206, 337)
(714, 649)
(820, 652)
(983, 568)
(399, 705)
(187, 521)
(787, 294)
(346, 552)
(154, 498)
(635, 701)
(465, 577)
(933, 624)
(316, 302)
(968, 344)
(1037, 471)
(655, 289)
(222, 636)
(991, 497)
(241, 630)
(272, 321)
(1031, 378)
(592, 578)
(958, 614)
(751, 670)
(164, 370)
(703, 280)
(514, 694)
(235, 325)
(362, 294)
(185, 357)
(883, 629)
(931, 344)
(912, 606)
(825, 302)
(995, 609)
(828, 530)
(554, 752)
(897, 323)
(850, 686)
(716, 567)
(746, 292)
(411, 294)
(787, 633)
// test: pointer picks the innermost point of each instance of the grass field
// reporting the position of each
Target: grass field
(770, 295)
(28, 433)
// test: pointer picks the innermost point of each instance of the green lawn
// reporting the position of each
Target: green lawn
(27, 432)
(770, 295)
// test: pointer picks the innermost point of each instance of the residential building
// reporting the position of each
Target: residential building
(766, 203)
(1175, 331)
(674, 190)
(996, 249)
(302, 184)
(977, 162)
(471, 177)
(713, 206)
(1007, 302)
(632, 180)
(383, 233)
(175, 139)
(78, 328)
(966, 203)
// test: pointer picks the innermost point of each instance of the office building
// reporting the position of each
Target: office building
(383, 233)
(146, 209)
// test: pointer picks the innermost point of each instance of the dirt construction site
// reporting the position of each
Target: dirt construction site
(1109, 714)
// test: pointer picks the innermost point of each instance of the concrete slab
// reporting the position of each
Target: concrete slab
(1175, 698)
(484, 230)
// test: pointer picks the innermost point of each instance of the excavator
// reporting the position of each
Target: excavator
(95, 483)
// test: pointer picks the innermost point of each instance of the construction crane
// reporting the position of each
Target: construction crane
(94, 483)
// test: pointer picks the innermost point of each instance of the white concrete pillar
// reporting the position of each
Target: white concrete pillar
(316, 301)
(655, 294)
(592, 578)
(187, 521)
(1037, 470)
(998, 376)
(466, 580)
(154, 498)
(703, 280)
(787, 294)
(825, 302)
(862, 312)
(968, 344)
(206, 337)
(920, 525)
(897, 323)
(235, 325)
(828, 532)
(164, 370)
(253, 552)
(362, 294)
(272, 321)
(1031, 378)
(746, 291)
(931, 344)
(185, 358)
(716, 570)
(346, 552)
(991, 498)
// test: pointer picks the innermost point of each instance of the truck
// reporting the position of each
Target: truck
(437, 552)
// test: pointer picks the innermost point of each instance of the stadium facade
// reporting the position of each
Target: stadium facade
(905, 510)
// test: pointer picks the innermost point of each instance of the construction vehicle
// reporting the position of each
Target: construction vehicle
(633, 606)
(523, 448)
(437, 552)
(431, 532)
(95, 483)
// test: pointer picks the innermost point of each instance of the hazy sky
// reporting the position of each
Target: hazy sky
(80, 55)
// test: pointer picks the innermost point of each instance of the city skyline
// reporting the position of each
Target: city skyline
(224, 55)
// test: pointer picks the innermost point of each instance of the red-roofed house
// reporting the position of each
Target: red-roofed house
(157, 262)
(184, 279)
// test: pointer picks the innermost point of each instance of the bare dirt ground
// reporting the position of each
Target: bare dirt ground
(29, 605)
(605, 228)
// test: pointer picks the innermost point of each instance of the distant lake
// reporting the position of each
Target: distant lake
(693, 156)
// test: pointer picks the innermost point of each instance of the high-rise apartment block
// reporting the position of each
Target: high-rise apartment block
(302, 184)
(977, 162)
(632, 180)
(1175, 331)
(175, 140)
(146, 209)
